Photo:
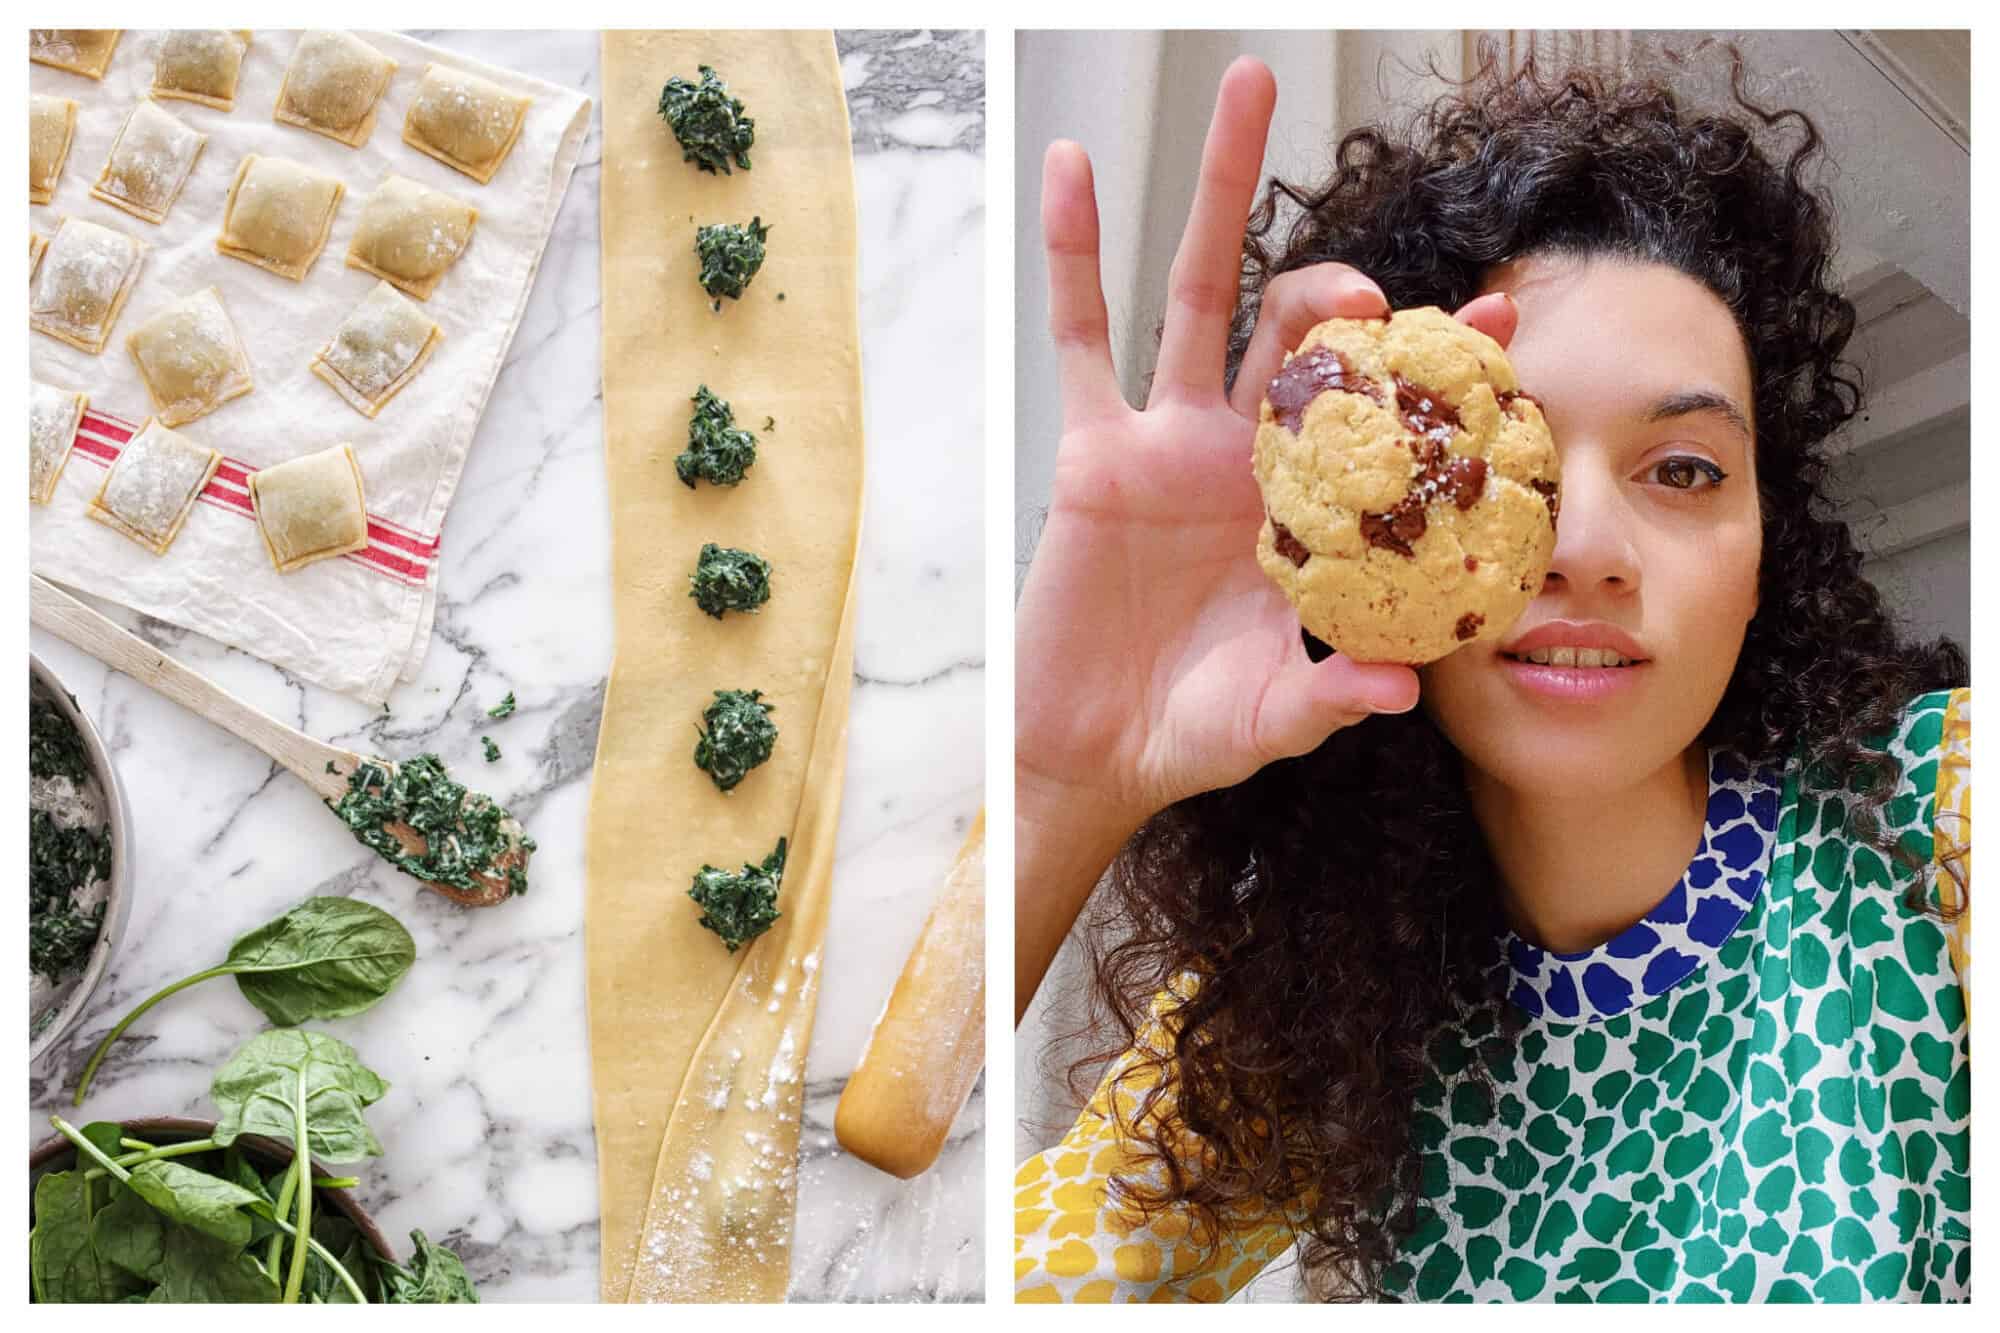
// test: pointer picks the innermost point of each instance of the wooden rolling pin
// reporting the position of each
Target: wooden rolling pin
(928, 1047)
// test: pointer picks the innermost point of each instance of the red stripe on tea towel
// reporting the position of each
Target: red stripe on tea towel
(393, 551)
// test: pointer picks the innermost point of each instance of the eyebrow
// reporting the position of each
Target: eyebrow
(1689, 401)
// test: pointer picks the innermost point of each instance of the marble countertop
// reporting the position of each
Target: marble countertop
(488, 1121)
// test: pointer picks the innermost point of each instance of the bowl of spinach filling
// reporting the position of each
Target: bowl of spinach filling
(78, 895)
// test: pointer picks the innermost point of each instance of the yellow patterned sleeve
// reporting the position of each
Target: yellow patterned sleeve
(1952, 834)
(1075, 1242)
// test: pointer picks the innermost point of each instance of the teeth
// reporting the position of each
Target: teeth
(1575, 657)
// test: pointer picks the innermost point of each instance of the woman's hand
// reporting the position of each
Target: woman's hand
(1153, 658)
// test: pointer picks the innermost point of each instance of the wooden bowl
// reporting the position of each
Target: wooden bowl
(55, 1153)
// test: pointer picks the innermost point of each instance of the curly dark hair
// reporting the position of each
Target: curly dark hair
(1341, 908)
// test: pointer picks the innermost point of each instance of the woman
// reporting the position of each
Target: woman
(1498, 980)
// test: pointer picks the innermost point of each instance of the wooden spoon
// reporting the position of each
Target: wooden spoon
(324, 768)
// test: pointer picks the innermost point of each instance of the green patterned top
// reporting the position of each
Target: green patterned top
(1757, 1093)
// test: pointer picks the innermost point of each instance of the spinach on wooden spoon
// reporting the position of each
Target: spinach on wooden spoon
(326, 958)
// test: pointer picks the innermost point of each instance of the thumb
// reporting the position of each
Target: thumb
(1308, 701)
(1493, 314)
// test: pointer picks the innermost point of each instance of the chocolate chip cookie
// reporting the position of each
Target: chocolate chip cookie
(1410, 487)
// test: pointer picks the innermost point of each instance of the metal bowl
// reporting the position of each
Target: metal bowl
(52, 1011)
(57, 1153)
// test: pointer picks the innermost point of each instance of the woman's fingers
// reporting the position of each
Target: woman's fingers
(1308, 701)
(1493, 314)
(1202, 286)
(1293, 303)
(1077, 319)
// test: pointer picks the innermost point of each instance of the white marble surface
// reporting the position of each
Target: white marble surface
(488, 1122)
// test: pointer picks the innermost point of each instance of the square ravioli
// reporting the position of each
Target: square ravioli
(378, 349)
(201, 65)
(311, 508)
(278, 215)
(152, 487)
(51, 130)
(410, 235)
(466, 122)
(333, 85)
(191, 358)
(85, 51)
(82, 282)
(53, 416)
(150, 161)
(36, 244)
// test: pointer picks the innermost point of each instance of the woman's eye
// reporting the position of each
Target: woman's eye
(1688, 474)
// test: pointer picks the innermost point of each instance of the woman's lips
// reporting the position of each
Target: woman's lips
(1582, 684)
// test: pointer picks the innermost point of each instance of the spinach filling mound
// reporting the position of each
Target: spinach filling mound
(737, 734)
(727, 579)
(740, 906)
(719, 451)
(730, 255)
(710, 124)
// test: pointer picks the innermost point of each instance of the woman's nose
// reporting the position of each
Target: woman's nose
(1594, 546)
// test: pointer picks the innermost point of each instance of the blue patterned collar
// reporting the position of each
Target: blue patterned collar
(1683, 930)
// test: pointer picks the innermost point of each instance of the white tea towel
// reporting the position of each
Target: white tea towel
(360, 622)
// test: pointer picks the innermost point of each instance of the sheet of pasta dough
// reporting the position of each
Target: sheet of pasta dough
(725, 1190)
(656, 977)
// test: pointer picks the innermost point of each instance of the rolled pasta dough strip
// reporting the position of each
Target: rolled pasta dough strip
(725, 1189)
(656, 977)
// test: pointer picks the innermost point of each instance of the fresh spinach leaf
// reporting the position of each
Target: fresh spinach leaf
(184, 1265)
(730, 254)
(435, 1276)
(740, 907)
(209, 1204)
(259, 1092)
(63, 1265)
(105, 1136)
(356, 1292)
(342, 1239)
(326, 958)
(718, 450)
(709, 123)
(737, 734)
(727, 579)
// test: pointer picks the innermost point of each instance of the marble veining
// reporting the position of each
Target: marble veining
(488, 1121)
(915, 88)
